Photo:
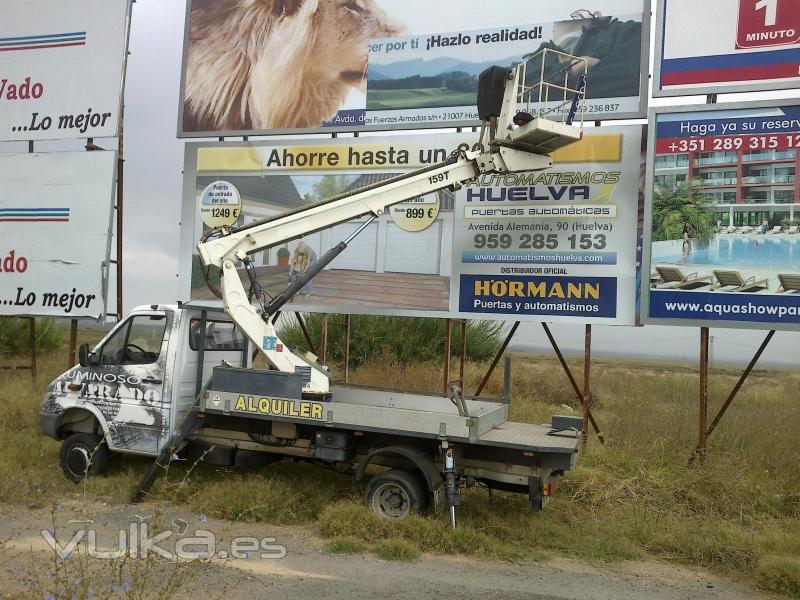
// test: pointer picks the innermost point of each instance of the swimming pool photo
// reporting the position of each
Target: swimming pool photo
(747, 251)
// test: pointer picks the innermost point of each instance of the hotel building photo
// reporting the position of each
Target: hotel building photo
(746, 186)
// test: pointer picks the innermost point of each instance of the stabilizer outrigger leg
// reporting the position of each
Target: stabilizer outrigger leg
(194, 420)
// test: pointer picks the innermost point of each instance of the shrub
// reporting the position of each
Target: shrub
(397, 549)
(348, 545)
(15, 336)
(401, 340)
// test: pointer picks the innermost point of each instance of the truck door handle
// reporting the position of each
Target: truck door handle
(151, 380)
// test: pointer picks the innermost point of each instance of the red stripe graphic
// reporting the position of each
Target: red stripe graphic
(719, 143)
(758, 73)
(44, 46)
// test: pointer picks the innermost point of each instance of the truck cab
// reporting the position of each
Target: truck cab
(131, 391)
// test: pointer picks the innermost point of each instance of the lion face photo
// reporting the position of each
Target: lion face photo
(276, 64)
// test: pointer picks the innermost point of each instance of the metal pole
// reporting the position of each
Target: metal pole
(572, 381)
(587, 393)
(347, 348)
(507, 380)
(739, 384)
(73, 340)
(120, 182)
(33, 348)
(463, 353)
(448, 325)
(304, 329)
(324, 339)
(497, 357)
(703, 412)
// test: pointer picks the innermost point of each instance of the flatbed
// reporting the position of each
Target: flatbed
(361, 408)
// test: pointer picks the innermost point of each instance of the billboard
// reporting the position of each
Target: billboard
(328, 65)
(55, 233)
(726, 46)
(420, 257)
(61, 68)
(723, 216)
(558, 243)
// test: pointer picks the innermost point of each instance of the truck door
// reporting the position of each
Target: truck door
(220, 341)
(128, 381)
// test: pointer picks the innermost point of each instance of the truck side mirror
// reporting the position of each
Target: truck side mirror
(83, 354)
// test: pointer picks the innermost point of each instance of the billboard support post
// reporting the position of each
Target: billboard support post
(448, 327)
(587, 393)
(572, 381)
(323, 339)
(703, 412)
(463, 353)
(497, 358)
(729, 400)
(73, 340)
(32, 340)
(347, 349)
(33, 348)
(120, 169)
(306, 334)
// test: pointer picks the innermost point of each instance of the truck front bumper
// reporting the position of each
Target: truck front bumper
(49, 424)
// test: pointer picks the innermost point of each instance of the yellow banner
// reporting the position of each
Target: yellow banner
(359, 156)
(599, 148)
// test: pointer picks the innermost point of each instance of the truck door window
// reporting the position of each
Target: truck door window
(137, 342)
(219, 336)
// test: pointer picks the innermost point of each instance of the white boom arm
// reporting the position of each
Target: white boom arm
(522, 150)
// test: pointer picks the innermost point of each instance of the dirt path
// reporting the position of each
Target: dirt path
(308, 571)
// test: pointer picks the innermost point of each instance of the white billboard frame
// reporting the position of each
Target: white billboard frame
(40, 249)
(190, 221)
(78, 125)
(641, 113)
(648, 215)
(699, 89)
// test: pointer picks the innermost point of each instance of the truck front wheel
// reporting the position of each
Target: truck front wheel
(396, 493)
(83, 454)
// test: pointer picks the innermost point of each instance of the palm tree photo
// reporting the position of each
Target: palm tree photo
(681, 208)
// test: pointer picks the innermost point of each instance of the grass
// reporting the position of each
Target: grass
(346, 545)
(397, 549)
(420, 98)
(780, 574)
(737, 513)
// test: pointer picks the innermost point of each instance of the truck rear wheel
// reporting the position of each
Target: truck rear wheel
(397, 493)
(83, 454)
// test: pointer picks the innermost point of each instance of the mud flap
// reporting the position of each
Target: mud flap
(541, 490)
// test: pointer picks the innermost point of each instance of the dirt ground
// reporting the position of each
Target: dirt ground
(308, 570)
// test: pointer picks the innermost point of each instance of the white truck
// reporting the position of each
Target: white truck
(179, 379)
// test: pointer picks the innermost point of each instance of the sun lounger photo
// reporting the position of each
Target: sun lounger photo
(673, 278)
(731, 229)
(732, 281)
(789, 283)
(776, 229)
(746, 229)
(792, 229)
